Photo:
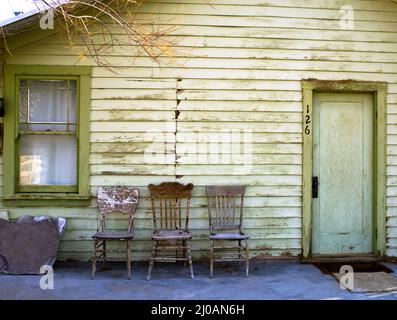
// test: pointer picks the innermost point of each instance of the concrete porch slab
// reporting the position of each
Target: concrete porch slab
(268, 280)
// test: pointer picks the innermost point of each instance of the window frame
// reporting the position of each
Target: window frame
(12, 75)
(43, 188)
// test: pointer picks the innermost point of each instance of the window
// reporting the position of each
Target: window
(47, 134)
(46, 131)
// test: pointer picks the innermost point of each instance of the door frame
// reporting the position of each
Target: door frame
(379, 91)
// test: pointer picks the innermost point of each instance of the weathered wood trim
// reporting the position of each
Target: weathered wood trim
(47, 70)
(381, 170)
(83, 134)
(343, 258)
(307, 172)
(16, 41)
(9, 132)
(66, 201)
(48, 188)
(379, 89)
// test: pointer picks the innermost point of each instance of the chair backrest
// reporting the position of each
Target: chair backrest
(225, 207)
(170, 205)
(117, 199)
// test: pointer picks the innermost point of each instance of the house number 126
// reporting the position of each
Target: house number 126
(308, 120)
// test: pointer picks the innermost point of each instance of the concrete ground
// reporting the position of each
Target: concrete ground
(268, 280)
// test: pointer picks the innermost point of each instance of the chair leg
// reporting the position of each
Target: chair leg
(184, 252)
(156, 249)
(189, 259)
(176, 250)
(212, 259)
(247, 258)
(93, 270)
(104, 253)
(151, 261)
(239, 249)
(129, 258)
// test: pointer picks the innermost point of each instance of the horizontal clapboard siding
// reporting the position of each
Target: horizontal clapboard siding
(1, 119)
(234, 65)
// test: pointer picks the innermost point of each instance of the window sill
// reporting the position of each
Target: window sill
(46, 199)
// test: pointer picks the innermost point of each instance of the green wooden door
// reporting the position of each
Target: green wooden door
(343, 163)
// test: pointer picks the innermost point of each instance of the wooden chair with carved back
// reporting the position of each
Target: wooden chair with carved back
(171, 209)
(225, 214)
(114, 199)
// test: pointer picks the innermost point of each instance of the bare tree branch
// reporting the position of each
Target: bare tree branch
(82, 21)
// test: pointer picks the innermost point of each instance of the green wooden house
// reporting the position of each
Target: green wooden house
(287, 97)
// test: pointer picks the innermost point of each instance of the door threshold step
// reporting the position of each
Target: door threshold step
(330, 258)
(360, 267)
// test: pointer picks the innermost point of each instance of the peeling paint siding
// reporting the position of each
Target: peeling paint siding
(2, 58)
(217, 78)
(1, 77)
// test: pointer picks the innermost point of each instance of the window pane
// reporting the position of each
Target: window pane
(72, 105)
(48, 160)
(48, 103)
(23, 102)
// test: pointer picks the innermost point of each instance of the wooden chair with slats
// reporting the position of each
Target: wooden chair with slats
(114, 199)
(171, 208)
(225, 215)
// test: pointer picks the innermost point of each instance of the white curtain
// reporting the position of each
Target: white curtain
(47, 159)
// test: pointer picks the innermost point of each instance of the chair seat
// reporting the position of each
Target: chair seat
(171, 234)
(114, 235)
(228, 236)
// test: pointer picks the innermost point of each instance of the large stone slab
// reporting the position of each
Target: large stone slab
(28, 243)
